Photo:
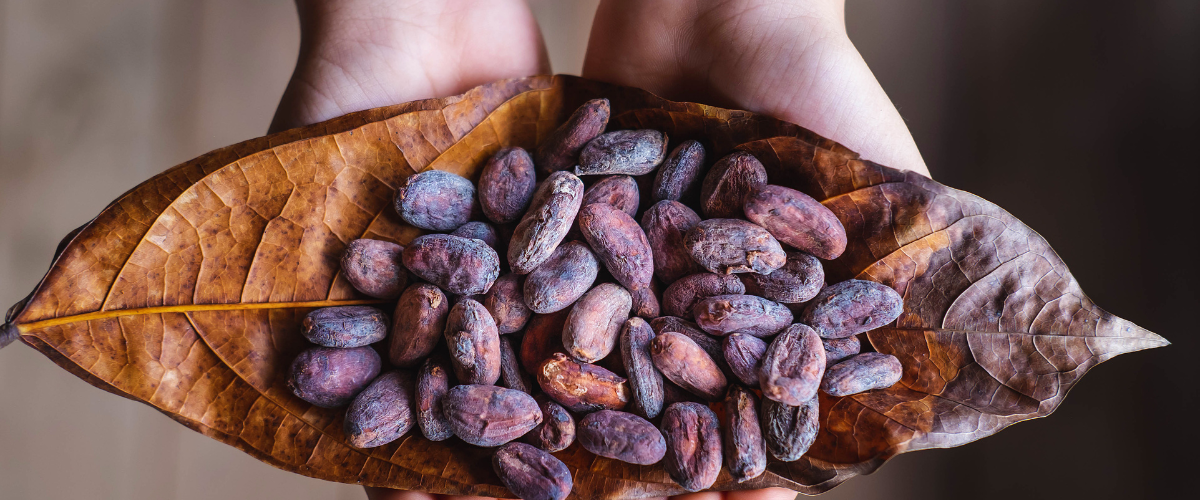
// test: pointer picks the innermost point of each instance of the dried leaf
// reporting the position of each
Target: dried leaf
(187, 292)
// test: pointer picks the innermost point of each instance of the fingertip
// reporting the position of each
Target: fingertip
(763, 494)
(374, 493)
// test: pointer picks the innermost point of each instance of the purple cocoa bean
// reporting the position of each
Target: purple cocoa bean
(474, 343)
(744, 449)
(665, 224)
(678, 175)
(562, 279)
(561, 149)
(486, 415)
(373, 267)
(645, 381)
(433, 381)
(330, 377)
(620, 191)
(461, 266)
(631, 152)
(594, 323)
(861, 373)
(728, 183)
(839, 349)
(693, 457)
(506, 185)
(852, 307)
(799, 280)
(797, 220)
(506, 301)
(793, 365)
(417, 324)
(790, 430)
(381, 413)
(728, 246)
(550, 215)
(683, 362)
(682, 295)
(749, 314)
(620, 244)
(744, 354)
(621, 436)
(532, 474)
(481, 231)
(557, 430)
(436, 200)
(345, 326)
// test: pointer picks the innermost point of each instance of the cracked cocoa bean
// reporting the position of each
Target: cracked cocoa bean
(682, 361)
(381, 413)
(799, 280)
(532, 474)
(749, 314)
(461, 266)
(511, 374)
(330, 377)
(562, 279)
(594, 323)
(543, 338)
(852, 307)
(436, 200)
(728, 246)
(744, 354)
(839, 349)
(744, 449)
(473, 342)
(693, 457)
(797, 220)
(481, 231)
(506, 185)
(792, 366)
(486, 415)
(728, 183)
(345, 326)
(665, 225)
(561, 149)
(619, 243)
(622, 436)
(433, 382)
(417, 324)
(550, 215)
(645, 382)
(557, 430)
(582, 387)
(677, 176)
(790, 430)
(620, 191)
(861, 373)
(506, 301)
(682, 295)
(630, 152)
(645, 302)
(374, 267)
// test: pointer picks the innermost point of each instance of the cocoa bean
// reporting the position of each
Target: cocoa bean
(330, 377)
(550, 215)
(665, 225)
(682, 361)
(557, 430)
(532, 474)
(682, 295)
(506, 185)
(594, 323)
(797, 220)
(744, 354)
(861, 373)
(620, 191)
(622, 436)
(511, 375)
(852, 307)
(674, 394)
(619, 243)
(543, 338)
(436, 200)
(474, 343)
(630, 152)
(710, 344)
(678, 175)
(799, 280)
(728, 246)
(645, 302)
(645, 382)
(728, 183)
(792, 366)
(561, 149)
(562, 279)
(373, 267)
(481, 231)
(417, 324)
(506, 301)
(790, 430)
(839, 349)
(749, 314)
(744, 449)
(433, 381)
(582, 387)
(693, 457)
(486, 415)
(381, 413)
(344, 326)
(458, 265)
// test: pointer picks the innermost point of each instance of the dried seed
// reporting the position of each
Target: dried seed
(645, 381)
(461, 266)
(511, 375)
(543, 338)
(665, 225)
(474, 343)
(436, 200)
(682, 361)
(486, 415)
(506, 301)
(852, 307)
(595, 322)
(631, 152)
(622, 436)
(433, 381)
(693, 457)
(373, 267)
(710, 344)
(557, 430)
(582, 387)
(417, 324)
(532, 474)
(550, 215)
(792, 366)
(839, 349)
(345, 326)
(506, 185)
(381, 413)
(682, 295)
(797, 220)
(562, 279)
(749, 314)
(330, 377)
(620, 244)
(645, 301)
(744, 449)
(728, 183)
(561, 149)
(734, 246)
(799, 280)
(790, 430)
(620, 191)
(679, 173)
(861, 373)
(744, 354)
(481, 231)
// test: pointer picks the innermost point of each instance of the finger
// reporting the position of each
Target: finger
(763, 494)
(707, 495)
(390, 494)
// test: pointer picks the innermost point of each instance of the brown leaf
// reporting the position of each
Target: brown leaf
(187, 292)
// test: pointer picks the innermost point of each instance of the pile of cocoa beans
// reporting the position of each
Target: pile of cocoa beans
(633, 333)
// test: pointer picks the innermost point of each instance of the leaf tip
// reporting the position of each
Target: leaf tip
(1123, 336)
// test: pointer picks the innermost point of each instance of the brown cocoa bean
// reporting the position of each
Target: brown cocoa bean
(374, 267)
(562, 279)
(506, 185)
(481, 231)
(486, 415)
(557, 430)
(728, 246)
(749, 314)
(550, 215)
(693, 457)
(594, 323)
(630, 152)
(790, 430)
(645, 382)
(792, 366)
(678, 176)
(743, 446)
(622, 436)
(458, 265)
(799, 280)
(582, 387)
(436, 200)
(506, 301)
(682, 361)
(619, 243)
(330, 377)
(417, 324)
(744, 354)
(852, 307)
(645, 302)
(344, 326)
(839, 349)
(511, 374)
(620, 191)
(433, 381)
(861, 373)
(543, 338)
(532, 474)
(561, 149)
(682, 295)
(710, 344)
(796, 220)
(665, 225)
(474, 343)
(381, 413)
(728, 183)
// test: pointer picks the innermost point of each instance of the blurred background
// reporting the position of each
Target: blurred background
(1078, 117)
